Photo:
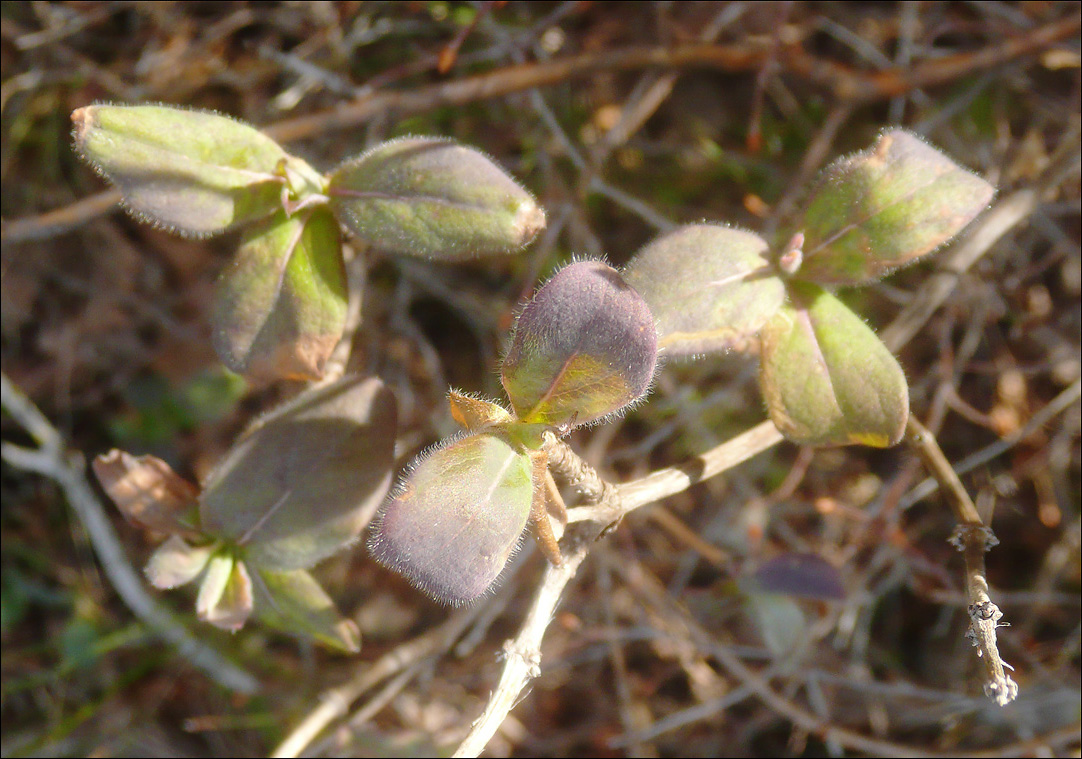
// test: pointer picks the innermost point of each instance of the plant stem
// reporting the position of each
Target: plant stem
(973, 538)
(610, 504)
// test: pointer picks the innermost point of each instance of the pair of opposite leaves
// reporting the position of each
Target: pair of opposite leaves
(826, 377)
(304, 480)
(280, 307)
(295, 488)
(710, 287)
(583, 348)
(281, 303)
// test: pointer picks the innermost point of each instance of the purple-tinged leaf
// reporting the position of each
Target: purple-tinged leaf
(454, 520)
(433, 198)
(710, 287)
(304, 481)
(584, 347)
(826, 377)
(883, 208)
(280, 306)
(803, 575)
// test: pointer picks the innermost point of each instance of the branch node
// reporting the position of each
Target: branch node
(965, 535)
(1001, 691)
(985, 611)
(531, 657)
(610, 527)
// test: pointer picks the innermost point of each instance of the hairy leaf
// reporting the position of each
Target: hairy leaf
(455, 519)
(827, 378)
(295, 603)
(193, 172)
(475, 413)
(880, 209)
(280, 307)
(148, 492)
(584, 347)
(709, 287)
(303, 481)
(433, 198)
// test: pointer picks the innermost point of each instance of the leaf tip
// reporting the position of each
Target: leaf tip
(81, 121)
(349, 636)
(528, 221)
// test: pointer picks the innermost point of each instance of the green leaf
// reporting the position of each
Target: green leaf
(79, 644)
(454, 520)
(710, 287)
(295, 603)
(225, 597)
(827, 378)
(880, 209)
(303, 481)
(148, 492)
(433, 198)
(176, 563)
(15, 598)
(280, 307)
(781, 622)
(584, 347)
(192, 172)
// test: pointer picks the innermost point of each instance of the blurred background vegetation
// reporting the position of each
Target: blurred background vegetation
(103, 323)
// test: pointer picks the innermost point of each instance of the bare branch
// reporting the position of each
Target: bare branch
(979, 458)
(335, 702)
(973, 538)
(849, 83)
(60, 220)
(66, 468)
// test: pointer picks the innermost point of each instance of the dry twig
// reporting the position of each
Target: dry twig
(849, 85)
(60, 220)
(973, 538)
(336, 702)
(66, 467)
